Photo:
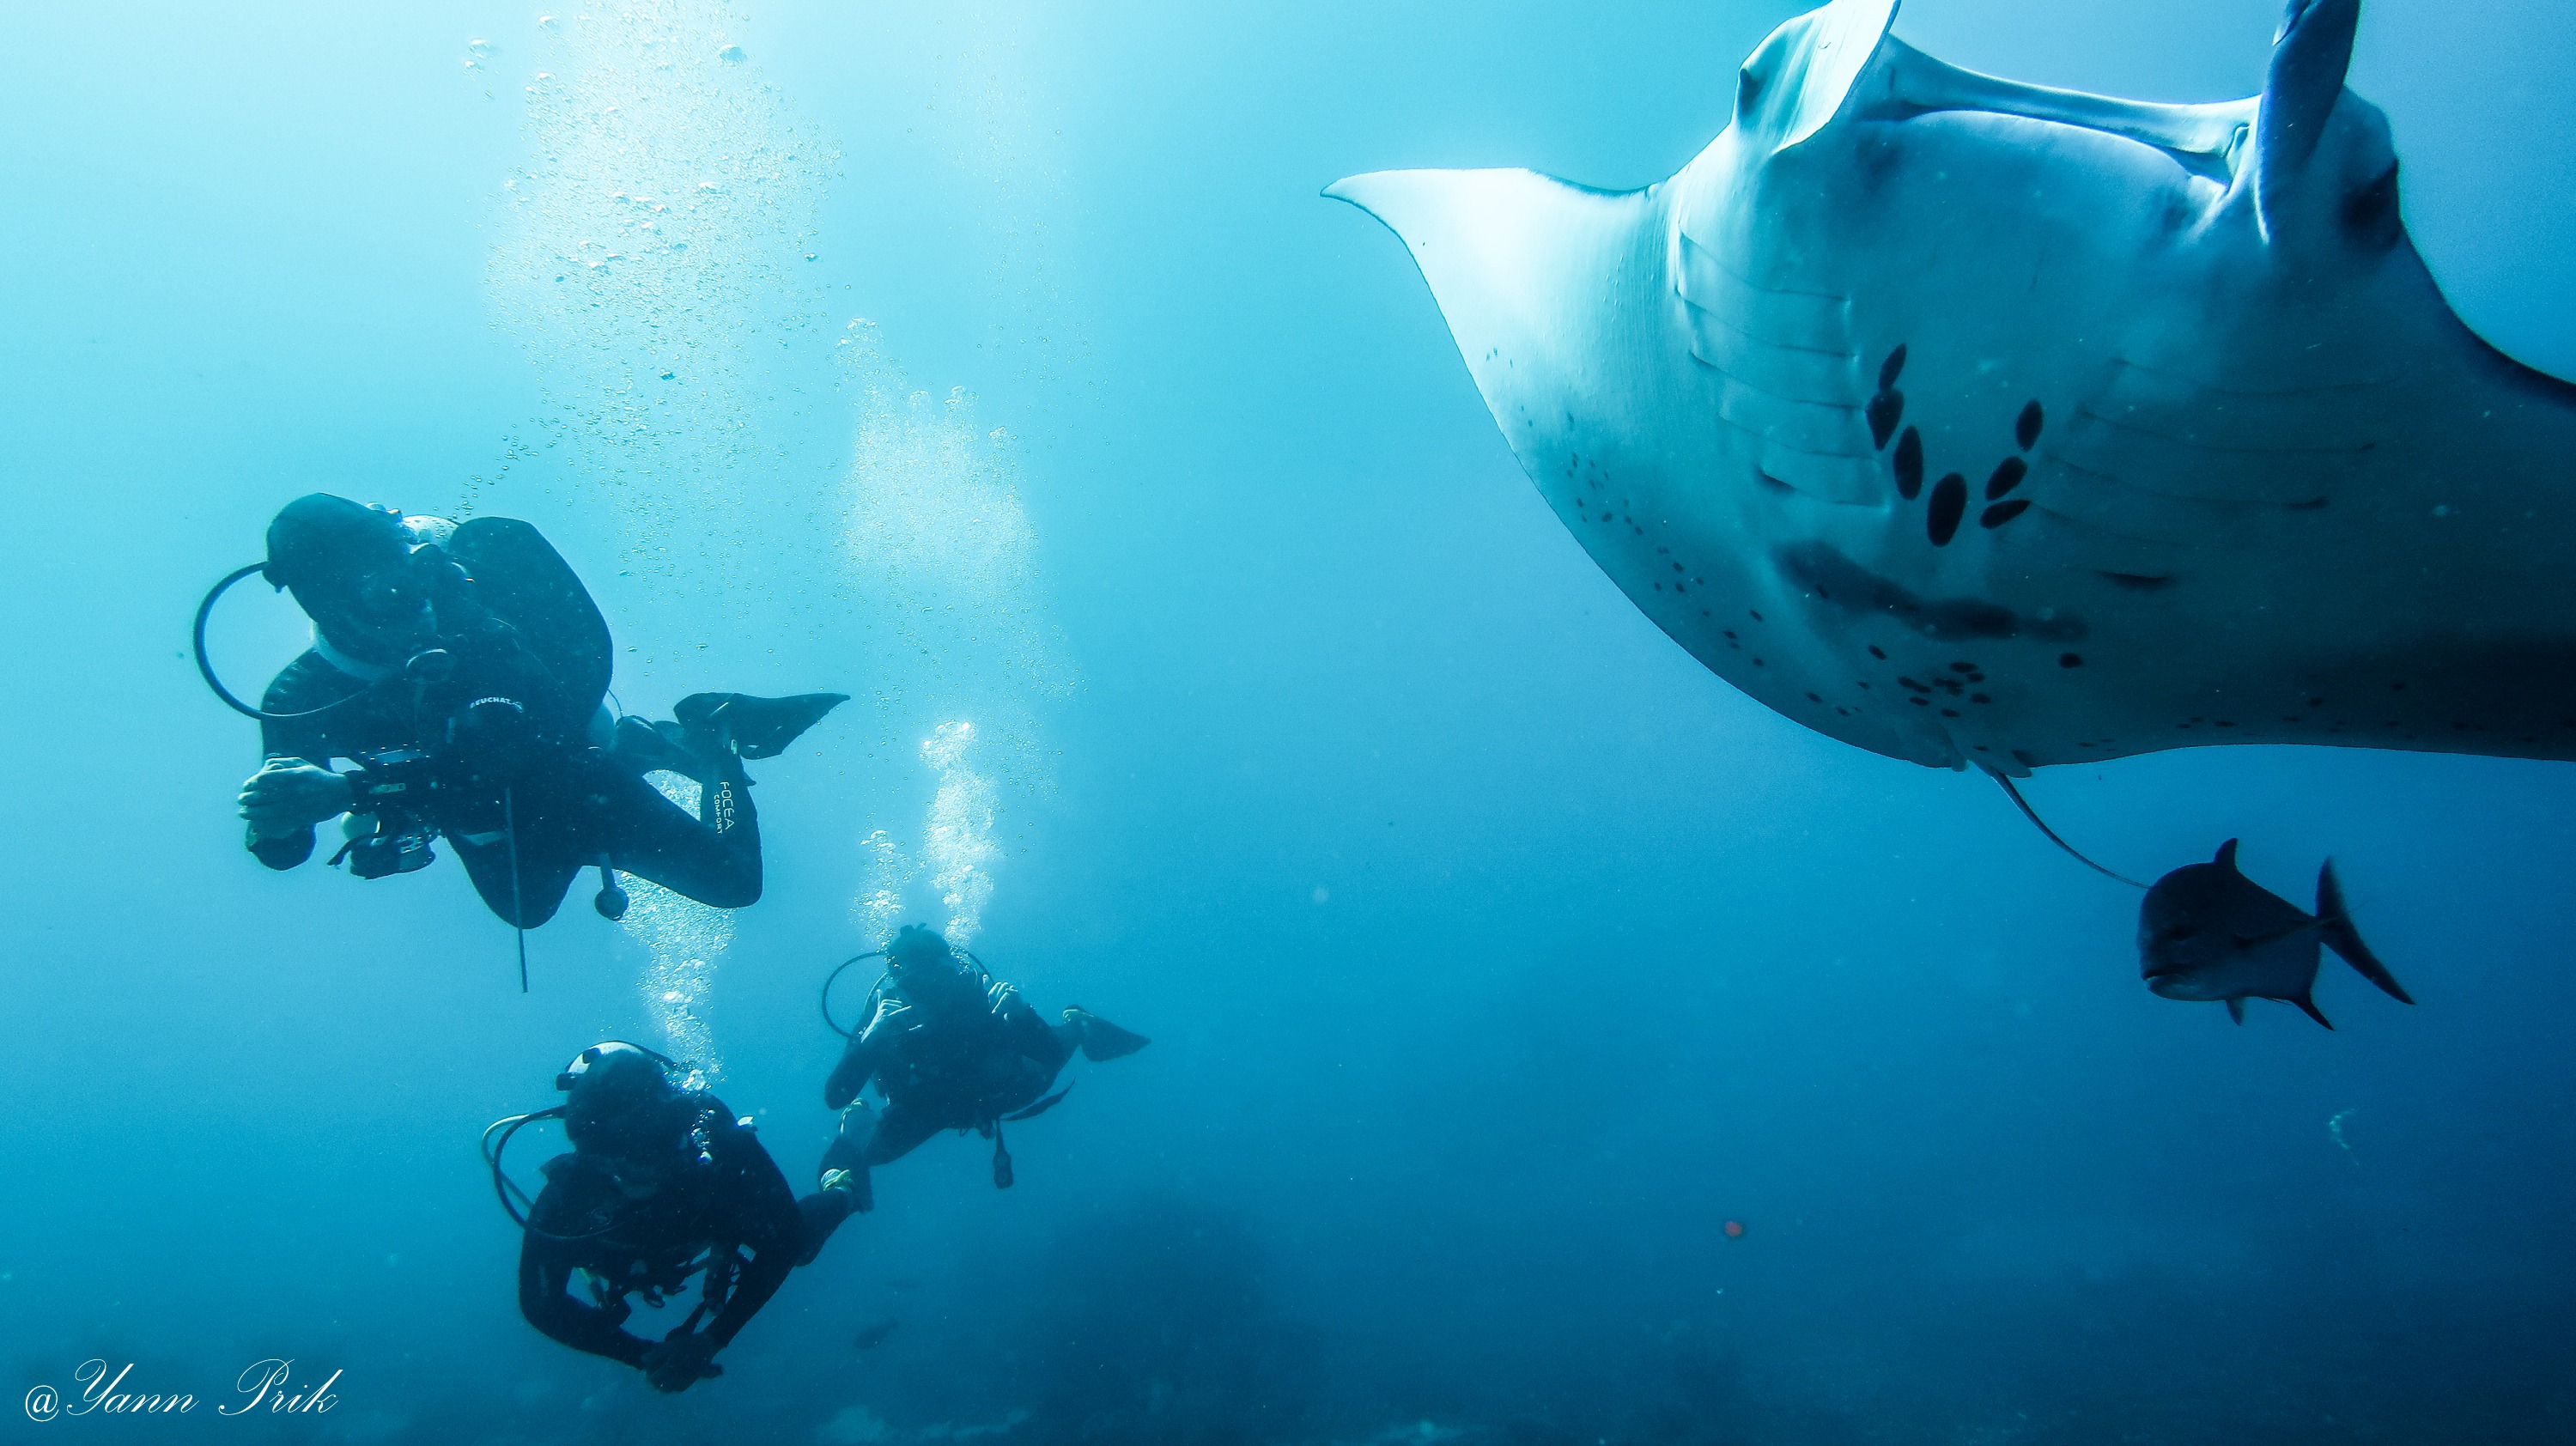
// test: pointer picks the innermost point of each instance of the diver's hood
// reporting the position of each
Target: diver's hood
(917, 945)
(621, 1100)
(318, 544)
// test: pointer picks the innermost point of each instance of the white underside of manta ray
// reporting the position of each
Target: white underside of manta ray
(1973, 422)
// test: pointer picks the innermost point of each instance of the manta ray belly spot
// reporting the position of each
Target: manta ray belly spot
(1630, 543)
(1820, 569)
(1951, 497)
(1950, 688)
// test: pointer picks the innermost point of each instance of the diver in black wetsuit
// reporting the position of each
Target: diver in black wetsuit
(950, 1048)
(663, 1184)
(462, 668)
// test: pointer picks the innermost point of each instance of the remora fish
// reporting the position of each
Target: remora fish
(2207, 932)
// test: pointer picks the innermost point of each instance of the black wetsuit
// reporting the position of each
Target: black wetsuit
(972, 1053)
(734, 1209)
(522, 629)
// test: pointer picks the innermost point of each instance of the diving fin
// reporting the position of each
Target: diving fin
(847, 1156)
(1102, 1039)
(2336, 922)
(853, 1181)
(656, 748)
(752, 727)
(1041, 1107)
(822, 1212)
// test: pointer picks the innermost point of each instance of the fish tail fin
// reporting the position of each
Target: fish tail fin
(2236, 1010)
(2310, 1005)
(2334, 922)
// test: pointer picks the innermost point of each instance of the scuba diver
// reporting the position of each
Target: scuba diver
(663, 1183)
(950, 1048)
(462, 669)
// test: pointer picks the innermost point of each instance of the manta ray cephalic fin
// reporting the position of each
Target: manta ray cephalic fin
(1800, 78)
(2309, 61)
(2202, 138)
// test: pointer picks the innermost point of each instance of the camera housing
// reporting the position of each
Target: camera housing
(395, 786)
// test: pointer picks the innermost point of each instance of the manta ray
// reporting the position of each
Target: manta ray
(1978, 423)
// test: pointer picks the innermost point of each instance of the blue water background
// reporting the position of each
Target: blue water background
(1495, 953)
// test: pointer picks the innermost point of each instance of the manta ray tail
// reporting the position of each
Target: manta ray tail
(2042, 824)
(2334, 923)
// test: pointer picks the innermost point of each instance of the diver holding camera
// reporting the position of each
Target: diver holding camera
(462, 671)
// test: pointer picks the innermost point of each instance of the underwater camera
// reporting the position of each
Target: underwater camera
(395, 787)
(405, 789)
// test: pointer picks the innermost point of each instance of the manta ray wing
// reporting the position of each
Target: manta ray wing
(1975, 422)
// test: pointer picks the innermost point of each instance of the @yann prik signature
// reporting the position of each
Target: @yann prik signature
(268, 1387)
